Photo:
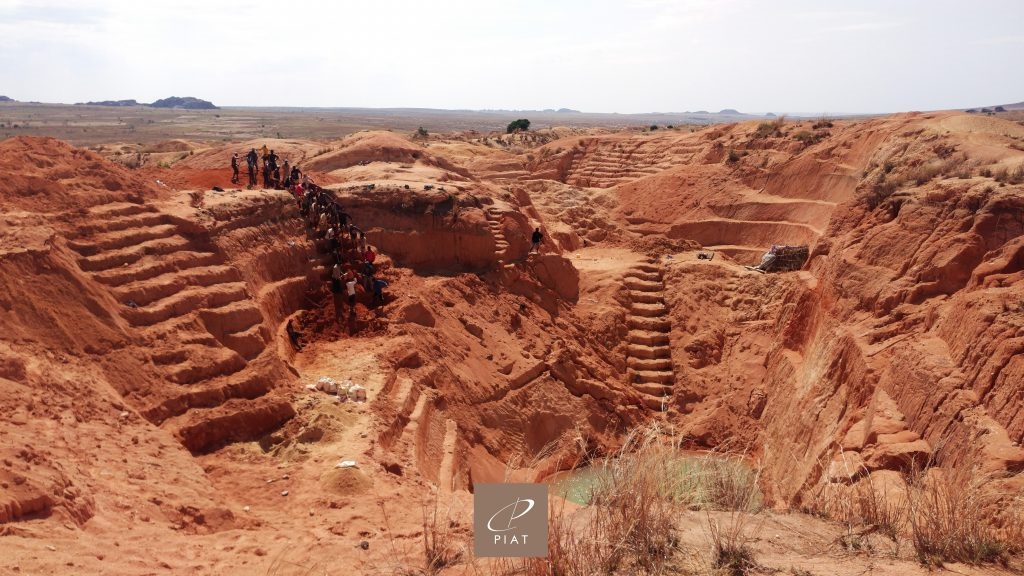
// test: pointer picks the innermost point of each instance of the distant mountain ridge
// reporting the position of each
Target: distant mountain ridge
(6, 99)
(185, 102)
(109, 103)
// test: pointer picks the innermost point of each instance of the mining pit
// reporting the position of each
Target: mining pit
(152, 393)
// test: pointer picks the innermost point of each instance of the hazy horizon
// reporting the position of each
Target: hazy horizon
(629, 57)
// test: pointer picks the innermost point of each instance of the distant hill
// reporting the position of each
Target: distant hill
(998, 108)
(729, 111)
(6, 99)
(109, 103)
(186, 102)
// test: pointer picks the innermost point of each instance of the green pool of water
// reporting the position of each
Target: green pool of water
(697, 479)
(576, 485)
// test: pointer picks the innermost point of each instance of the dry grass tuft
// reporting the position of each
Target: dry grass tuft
(441, 546)
(639, 492)
(735, 488)
(950, 513)
(731, 549)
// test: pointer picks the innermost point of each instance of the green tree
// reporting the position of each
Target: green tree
(521, 124)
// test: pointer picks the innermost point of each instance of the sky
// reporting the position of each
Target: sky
(625, 56)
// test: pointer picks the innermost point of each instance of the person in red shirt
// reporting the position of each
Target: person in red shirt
(369, 257)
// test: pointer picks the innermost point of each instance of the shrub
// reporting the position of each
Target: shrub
(810, 138)
(881, 189)
(654, 127)
(765, 129)
(422, 132)
(924, 173)
(770, 129)
(1006, 176)
(520, 125)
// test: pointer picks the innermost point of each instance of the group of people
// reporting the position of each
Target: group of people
(275, 175)
(354, 260)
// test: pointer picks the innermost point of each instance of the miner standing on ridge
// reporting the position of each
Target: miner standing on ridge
(537, 238)
(251, 159)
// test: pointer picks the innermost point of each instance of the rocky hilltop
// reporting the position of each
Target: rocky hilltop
(113, 103)
(153, 392)
(185, 102)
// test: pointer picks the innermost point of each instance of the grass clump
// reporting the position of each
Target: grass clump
(634, 502)
(808, 138)
(950, 515)
(770, 129)
(441, 548)
(946, 515)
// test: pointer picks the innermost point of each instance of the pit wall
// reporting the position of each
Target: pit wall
(491, 378)
(902, 358)
(265, 238)
(426, 231)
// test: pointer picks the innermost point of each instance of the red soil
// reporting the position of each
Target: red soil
(157, 413)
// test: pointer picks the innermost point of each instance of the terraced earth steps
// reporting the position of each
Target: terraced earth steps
(204, 363)
(640, 351)
(115, 209)
(746, 226)
(625, 161)
(237, 316)
(148, 290)
(647, 338)
(208, 395)
(493, 216)
(206, 330)
(138, 220)
(106, 241)
(185, 301)
(131, 254)
(248, 343)
(649, 368)
(237, 419)
(152, 266)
